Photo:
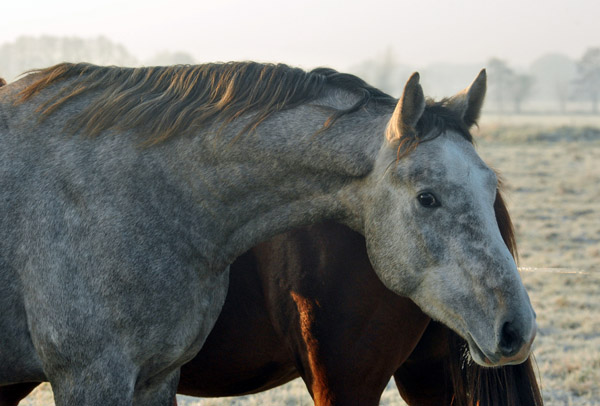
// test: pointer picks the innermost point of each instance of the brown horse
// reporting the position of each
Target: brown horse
(307, 303)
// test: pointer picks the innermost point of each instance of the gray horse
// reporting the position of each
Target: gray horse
(126, 193)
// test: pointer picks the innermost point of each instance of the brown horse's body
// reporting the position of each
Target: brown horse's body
(312, 307)
(308, 304)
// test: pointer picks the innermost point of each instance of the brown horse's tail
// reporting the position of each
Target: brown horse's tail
(2, 82)
(513, 385)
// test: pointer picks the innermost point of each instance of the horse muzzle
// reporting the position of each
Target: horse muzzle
(513, 349)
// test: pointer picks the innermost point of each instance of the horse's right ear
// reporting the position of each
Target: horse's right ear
(408, 111)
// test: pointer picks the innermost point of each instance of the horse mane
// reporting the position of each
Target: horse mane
(168, 100)
(163, 101)
(474, 385)
(505, 224)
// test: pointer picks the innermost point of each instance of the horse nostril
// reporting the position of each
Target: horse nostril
(510, 341)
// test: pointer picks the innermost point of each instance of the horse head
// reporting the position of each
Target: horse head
(431, 230)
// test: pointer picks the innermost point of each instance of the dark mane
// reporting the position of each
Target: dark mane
(507, 229)
(474, 385)
(164, 101)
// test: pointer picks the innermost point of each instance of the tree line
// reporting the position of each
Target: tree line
(508, 86)
(552, 79)
(27, 53)
(553, 82)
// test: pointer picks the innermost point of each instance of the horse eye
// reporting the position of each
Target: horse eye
(428, 200)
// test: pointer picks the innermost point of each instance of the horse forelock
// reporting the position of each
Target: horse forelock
(165, 101)
(437, 119)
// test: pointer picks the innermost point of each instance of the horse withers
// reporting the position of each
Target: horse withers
(124, 188)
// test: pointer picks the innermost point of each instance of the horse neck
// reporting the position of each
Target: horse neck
(280, 176)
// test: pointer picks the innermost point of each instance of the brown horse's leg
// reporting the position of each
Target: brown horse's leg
(424, 380)
(346, 364)
(11, 395)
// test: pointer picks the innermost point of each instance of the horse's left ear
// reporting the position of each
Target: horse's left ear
(468, 103)
(408, 111)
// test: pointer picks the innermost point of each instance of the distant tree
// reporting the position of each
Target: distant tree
(500, 78)
(588, 76)
(171, 58)
(562, 94)
(520, 86)
(39, 52)
(505, 84)
(383, 72)
(386, 70)
(554, 74)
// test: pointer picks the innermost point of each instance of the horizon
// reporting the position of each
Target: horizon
(313, 33)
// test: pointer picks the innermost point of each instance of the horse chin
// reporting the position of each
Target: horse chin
(480, 357)
(491, 360)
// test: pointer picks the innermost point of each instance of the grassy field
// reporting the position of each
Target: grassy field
(539, 120)
(554, 197)
(553, 192)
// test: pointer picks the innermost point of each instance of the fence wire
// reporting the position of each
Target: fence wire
(556, 270)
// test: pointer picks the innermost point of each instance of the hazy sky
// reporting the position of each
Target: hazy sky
(336, 33)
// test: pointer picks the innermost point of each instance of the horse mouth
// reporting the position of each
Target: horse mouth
(479, 356)
(494, 360)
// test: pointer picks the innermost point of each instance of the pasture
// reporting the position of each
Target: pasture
(553, 192)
